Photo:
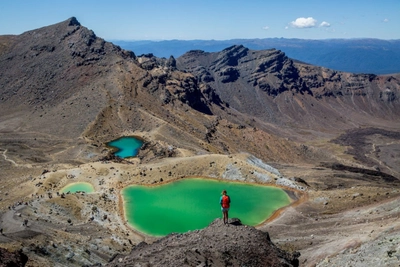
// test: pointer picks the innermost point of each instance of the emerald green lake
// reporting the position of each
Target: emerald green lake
(75, 187)
(190, 204)
(127, 146)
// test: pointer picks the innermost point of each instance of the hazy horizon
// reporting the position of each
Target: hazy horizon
(158, 20)
(217, 40)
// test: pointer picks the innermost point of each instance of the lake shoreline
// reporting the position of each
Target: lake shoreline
(295, 197)
(116, 147)
(87, 187)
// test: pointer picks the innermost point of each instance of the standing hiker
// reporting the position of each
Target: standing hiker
(225, 202)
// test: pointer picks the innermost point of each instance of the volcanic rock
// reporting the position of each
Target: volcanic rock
(232, 244)
(14, 259)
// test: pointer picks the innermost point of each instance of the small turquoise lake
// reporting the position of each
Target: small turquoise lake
(126, 146)
(78, 187)
(193, 203)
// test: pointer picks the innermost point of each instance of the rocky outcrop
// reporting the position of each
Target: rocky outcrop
(217, 245)
(172, 85)
(269, 70)
(14, 259)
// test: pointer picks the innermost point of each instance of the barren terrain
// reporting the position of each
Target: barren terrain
(331, 139)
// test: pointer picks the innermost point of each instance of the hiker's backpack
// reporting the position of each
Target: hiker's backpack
(225, 201)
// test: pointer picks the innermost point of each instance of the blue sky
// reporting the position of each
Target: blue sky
(210, 19)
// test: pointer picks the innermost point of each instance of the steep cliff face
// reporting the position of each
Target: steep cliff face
(269, 85)
(268, 70)
(174, 85)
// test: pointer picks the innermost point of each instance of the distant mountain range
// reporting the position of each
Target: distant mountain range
(350, 55)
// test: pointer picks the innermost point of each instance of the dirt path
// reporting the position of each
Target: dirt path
(7, 159)
(374, 158)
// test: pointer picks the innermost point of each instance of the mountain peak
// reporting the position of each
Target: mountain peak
(73, 22)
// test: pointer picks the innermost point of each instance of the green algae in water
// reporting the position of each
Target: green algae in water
(80, 186)
(191, 204)
(127, 146)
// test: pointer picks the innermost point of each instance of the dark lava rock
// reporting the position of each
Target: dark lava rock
(229, 75)
(219, 244)
(14, 259)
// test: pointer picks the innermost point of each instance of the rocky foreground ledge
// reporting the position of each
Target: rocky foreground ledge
(219, 244)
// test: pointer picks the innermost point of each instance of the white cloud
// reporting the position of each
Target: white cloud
(304, 23)
(286, 27)
(325, 24)
(386, 20)
(266, 28)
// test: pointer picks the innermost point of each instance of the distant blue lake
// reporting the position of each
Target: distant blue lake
(126, 146)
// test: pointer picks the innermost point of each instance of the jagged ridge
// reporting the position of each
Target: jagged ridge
(271, 86)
